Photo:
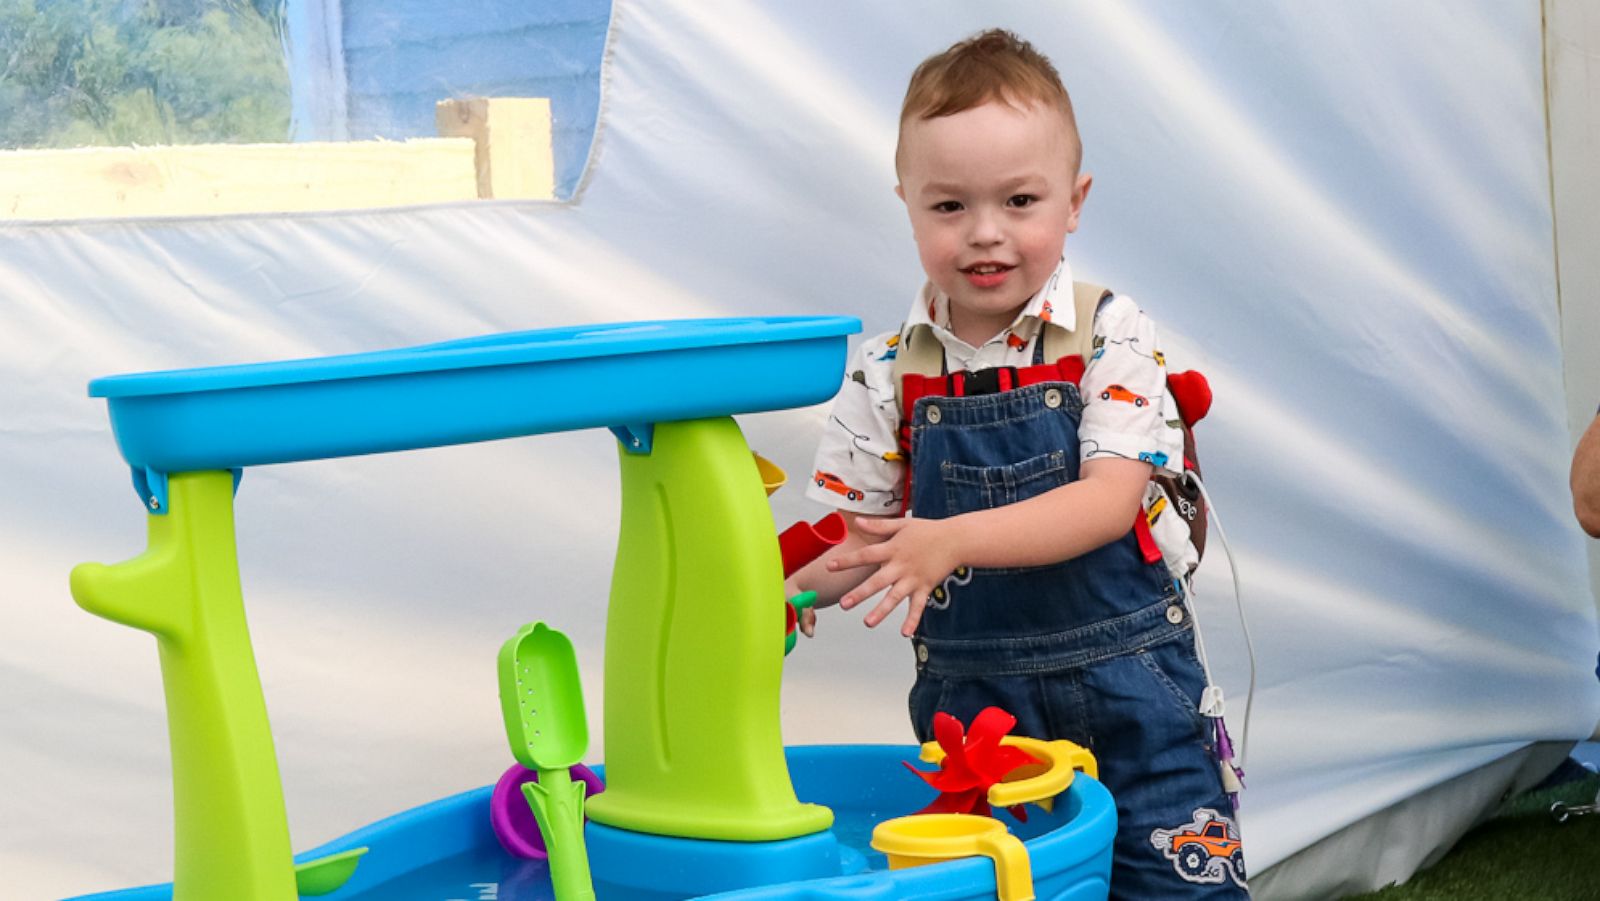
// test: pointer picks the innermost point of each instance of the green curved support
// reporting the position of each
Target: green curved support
(694, 648)
(232, 835)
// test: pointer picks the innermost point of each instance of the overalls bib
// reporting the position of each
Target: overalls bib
(1098, 649)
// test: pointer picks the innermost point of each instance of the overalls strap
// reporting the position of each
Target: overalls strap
(920, 352)
(919, 368)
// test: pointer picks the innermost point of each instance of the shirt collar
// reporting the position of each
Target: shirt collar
(1053, 303)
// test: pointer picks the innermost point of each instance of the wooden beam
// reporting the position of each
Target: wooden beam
(491, 147)
(513, 139)
(210, 179)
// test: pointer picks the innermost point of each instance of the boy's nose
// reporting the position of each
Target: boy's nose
(985, 231)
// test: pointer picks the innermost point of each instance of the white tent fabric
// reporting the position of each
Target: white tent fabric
(1340, 212)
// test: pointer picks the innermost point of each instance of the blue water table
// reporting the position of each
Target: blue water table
(700, 795)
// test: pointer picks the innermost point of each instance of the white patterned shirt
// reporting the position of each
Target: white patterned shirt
(1127, 410)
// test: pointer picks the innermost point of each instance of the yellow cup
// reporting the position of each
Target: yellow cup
(772, 475)
(920, 839)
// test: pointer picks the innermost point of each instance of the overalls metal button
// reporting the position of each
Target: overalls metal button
(1052, 397)
(922, 653)
(1174, 614)
(933, 414)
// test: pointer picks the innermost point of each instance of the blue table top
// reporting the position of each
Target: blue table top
(535, 346)
(474, 389)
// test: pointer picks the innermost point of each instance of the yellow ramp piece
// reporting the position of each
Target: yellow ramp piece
(1038, 784)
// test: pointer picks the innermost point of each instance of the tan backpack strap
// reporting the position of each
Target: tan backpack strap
(919, 353)
(1059, 342)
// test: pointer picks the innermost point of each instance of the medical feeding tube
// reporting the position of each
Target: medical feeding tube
(1244, 625)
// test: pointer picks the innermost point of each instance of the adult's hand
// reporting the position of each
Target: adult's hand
(1586, 479)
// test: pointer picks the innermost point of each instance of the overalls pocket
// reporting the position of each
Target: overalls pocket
(1026, 697)
(1174, 668)
(970, 488)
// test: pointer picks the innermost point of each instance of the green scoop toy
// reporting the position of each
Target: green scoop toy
(542, 702)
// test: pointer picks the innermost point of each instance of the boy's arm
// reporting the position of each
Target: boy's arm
(913, 556)
(1586, 479)
(858, 468)
(831, 584)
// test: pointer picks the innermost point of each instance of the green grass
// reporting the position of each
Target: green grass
(1519, 854)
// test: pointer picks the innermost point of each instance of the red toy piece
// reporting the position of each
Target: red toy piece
(973, 762)
(1193, 394)
(804, 542)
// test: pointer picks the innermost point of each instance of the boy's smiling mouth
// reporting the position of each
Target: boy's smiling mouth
(987, 274)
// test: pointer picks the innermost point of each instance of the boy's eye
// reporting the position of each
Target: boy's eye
(947, 206)
(1021, 200)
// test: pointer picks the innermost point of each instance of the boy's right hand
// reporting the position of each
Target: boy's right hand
(911, 557)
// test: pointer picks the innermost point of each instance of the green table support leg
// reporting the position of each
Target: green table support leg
(694, 648)
(232, 835)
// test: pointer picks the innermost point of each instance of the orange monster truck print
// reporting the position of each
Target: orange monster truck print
(1205, 850)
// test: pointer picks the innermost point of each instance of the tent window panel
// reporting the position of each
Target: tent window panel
(98, 73)
(197, 107)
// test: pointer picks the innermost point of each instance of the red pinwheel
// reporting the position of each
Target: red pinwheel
(973, 762)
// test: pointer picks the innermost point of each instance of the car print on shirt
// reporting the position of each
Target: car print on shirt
(1015, 341)
(891, 349)
(833, 483)
(1156, 457)
(1117, 392)
(1155, 511)
(859, 442)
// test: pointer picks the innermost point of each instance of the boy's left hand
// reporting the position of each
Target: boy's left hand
(912, 555)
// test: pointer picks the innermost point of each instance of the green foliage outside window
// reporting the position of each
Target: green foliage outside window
(117, 72)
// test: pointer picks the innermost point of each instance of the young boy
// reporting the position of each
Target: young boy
(1025, 586)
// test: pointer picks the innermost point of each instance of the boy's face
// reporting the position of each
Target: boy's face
(993, 192)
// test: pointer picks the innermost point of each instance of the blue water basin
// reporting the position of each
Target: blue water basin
(447, 850)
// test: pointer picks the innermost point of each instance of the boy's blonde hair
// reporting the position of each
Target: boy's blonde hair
(993, 65)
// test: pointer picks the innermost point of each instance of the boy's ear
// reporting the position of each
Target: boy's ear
(1080, 193)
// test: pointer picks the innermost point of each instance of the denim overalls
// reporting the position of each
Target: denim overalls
(1098, 649)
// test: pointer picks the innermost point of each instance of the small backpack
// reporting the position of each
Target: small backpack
(918, 371)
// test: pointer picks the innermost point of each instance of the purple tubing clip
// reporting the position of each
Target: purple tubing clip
(514, 823)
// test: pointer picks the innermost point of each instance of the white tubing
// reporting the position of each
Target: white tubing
(1238, 604)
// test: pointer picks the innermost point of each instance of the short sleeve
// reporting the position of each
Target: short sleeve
(858, 465)
(1127, 410)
